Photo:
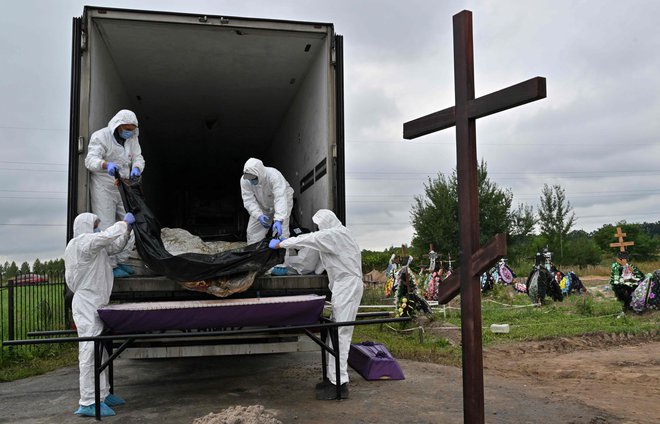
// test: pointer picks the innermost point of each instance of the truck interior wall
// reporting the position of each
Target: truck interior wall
(107, 94)
(194, 152)
(303, 139)
(102, 95)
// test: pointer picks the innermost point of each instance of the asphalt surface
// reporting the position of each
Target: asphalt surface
(179, 390)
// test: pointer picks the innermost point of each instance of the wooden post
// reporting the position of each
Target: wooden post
(474, 260)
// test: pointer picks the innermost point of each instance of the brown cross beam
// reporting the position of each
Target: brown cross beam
(621, 244)
(474, 260)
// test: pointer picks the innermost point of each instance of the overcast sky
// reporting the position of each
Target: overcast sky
(596, 134)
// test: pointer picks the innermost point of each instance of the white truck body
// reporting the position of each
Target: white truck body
(209, 93)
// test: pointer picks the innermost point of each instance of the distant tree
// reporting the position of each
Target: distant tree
(37, 267)
(25, 268)
(556, 216)
(522, 221)
(644, 249)
(581, 250)
(59, 266)
(651, 228)
(434, 215)
(55, 266)
(375, 260)
(12, 270)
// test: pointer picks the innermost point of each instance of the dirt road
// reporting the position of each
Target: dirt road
(585, 381)
(617, 374)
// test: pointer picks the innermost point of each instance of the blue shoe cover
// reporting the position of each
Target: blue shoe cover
(113, 400)
(126, 268)
(89, 411)
(119, 273)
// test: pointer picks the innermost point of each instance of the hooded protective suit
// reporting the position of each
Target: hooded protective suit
(305, 261)
(88, 274)
(103, 147)
(341, 257)
(271, 196)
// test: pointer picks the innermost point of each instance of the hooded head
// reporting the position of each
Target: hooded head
(84, 223)
(254, 167)
(326, 219)
(123, 117)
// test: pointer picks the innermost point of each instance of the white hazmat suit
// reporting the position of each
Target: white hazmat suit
(271, 196)
(104, 147)
(341, 257)
(88, 273)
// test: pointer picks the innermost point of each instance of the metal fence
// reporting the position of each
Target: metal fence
(32, 303)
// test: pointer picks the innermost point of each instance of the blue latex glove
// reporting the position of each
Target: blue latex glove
(129, 218)
(273, 243)
(264, 221)
(135, 173)
(277, 226)
(112, 169)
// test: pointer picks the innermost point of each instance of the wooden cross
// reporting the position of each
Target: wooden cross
(432, 255)
(621, 244)
(621, 259)
(474, 260)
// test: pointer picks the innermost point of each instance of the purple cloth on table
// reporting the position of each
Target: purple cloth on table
(374, 362)
(217, 313)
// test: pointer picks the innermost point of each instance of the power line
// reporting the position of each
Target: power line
(636, 171)
(571, 195)
(33, 163)
(34, 128)
(30, 170)
(495, 144)
(33, 198)
(35, 191)
(615, 216)
(373, 201)
(34, 225)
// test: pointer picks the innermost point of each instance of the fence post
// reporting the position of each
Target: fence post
(10, 309)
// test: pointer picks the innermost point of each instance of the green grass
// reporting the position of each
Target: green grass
(409, 342)
(16, 364)
(38, 307)
(423, 339)
(577, 315)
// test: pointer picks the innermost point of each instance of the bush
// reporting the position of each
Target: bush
(375, 260)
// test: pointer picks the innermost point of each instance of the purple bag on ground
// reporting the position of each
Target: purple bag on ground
(374, 362)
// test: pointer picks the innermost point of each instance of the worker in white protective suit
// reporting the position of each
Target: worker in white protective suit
(114, 149)
(268, 198)
(304, 260)
(341, 257)
(88, 273)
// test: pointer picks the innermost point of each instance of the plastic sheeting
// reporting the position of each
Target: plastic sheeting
(191, 267)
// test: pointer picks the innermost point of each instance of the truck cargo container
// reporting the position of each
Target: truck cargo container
(210, 92)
